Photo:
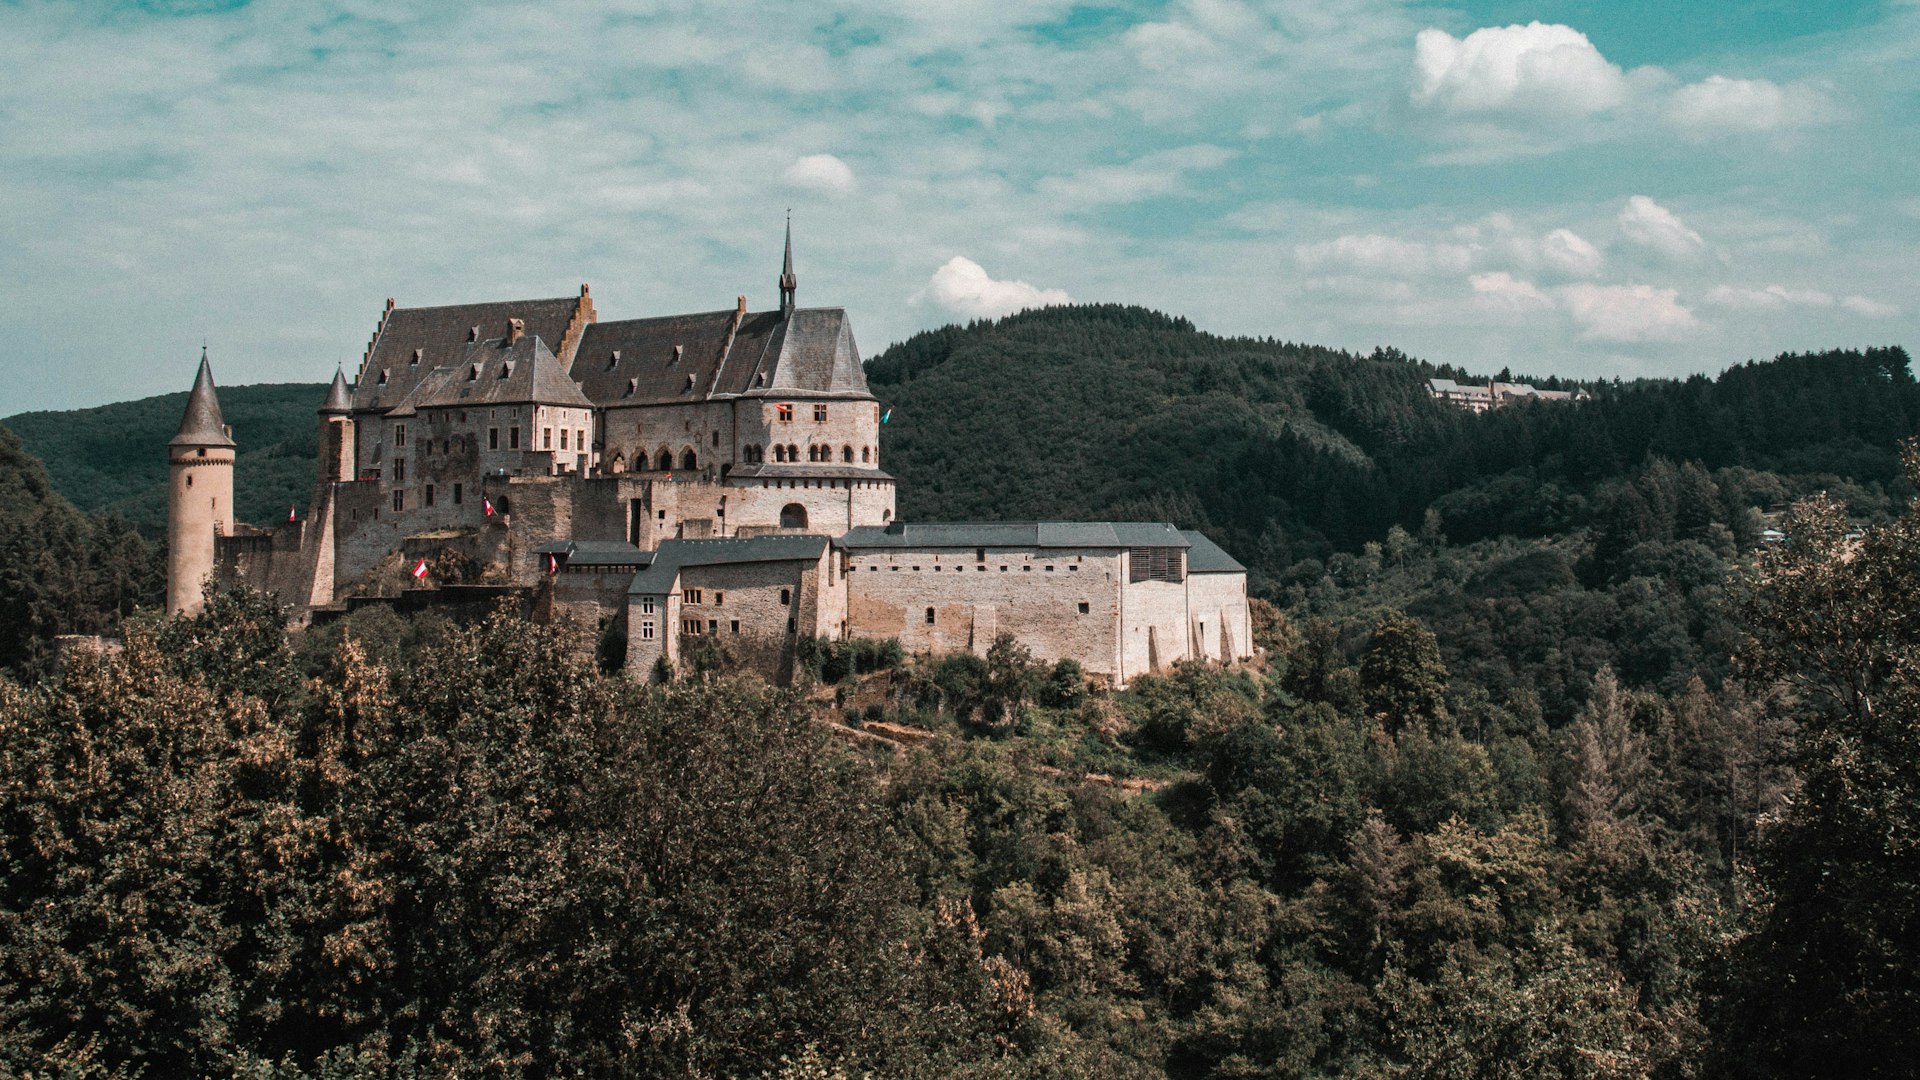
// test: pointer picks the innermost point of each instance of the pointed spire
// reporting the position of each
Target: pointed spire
(339, 398)
(788, 282)
(202, 425)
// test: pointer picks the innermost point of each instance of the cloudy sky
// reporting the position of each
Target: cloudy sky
(1587, 188)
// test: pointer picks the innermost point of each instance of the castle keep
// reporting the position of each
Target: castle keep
(682, 477)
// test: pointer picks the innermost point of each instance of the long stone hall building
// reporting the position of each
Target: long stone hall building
(671, 479)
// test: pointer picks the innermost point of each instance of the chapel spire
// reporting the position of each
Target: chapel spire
(788, 282)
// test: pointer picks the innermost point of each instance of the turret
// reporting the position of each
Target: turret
(788, 282)
(336, 431)
(199, 493)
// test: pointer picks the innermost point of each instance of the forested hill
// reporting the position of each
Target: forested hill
(114, 458)
(1284, 451)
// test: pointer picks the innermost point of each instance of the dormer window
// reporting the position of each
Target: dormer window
(383, 376)
(689, 380)
(760, 379)
(473, 372)
(473, 334)
(677, 351)
(632, 386)
(417, 354)
(613, 361)
(506, 370)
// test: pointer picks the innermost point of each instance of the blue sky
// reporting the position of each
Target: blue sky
(1583, 188)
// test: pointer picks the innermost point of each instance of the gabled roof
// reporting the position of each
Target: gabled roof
(658, 578)
(496, 373)
(201, 424)
(1015, 534)
(412, 342)
(1206, 557)
(680, 358)
(595, 553)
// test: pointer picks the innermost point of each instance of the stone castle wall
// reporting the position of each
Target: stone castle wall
(1034, 595)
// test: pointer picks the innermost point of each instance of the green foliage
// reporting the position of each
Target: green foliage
(832, 662)
(61, 572)
(1827, 982)
(113, 458)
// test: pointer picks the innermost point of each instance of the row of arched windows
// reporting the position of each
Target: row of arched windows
(754, 454)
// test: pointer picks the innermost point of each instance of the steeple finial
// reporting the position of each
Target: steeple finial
(788, 282)
(202, 425)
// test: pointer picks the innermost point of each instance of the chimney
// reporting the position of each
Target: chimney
(740, 308)
(516, 329)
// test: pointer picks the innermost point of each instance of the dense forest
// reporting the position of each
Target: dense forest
(1550, 767)
(113, 458)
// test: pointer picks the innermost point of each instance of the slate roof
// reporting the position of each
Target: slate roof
(657, 579)
(441, 336)
(201, 424)
(1206, 557)
(495, 373)
(1015, 534)
(810, 352)
(339, 396)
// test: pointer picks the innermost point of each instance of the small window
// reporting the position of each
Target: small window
(646, 630)
(399, 471)
(690, 626)
(735, 627)
(846, 454)
(929, 616)
(506, 370)
(399, 434)
(690, 596)
(784, 413)
(1049, 569)
(819, 413)
(719, 598)
(417, 354)
(1075, 566)
(546, 434)
(513, 438)
(613, 361)
(1084, 608)
(646, 605)
(980, 554)
(493, 438)
(866, 455)
(1003, 568)
(399, 500)
(427, 496)
(456, 494)
(632, 385)
(713, 626)
(1027, 568)
(688, 460)
(473, 373)
(383, 376)
(786, 597)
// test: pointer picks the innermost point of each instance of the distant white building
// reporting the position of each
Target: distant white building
(1477, 398)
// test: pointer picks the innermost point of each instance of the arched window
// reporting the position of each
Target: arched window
(793, 453)
(866, 454)
(618, 463)
(779, 452)
(793, 516)
(665, 461)
(846, 454)
(687, 460)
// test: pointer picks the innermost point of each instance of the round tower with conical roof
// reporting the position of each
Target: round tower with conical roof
(199, 494)
(336, 431)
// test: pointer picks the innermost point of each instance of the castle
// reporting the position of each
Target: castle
(672, 479)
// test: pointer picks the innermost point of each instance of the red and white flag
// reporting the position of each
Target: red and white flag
(487, 505)
(553, 565)
(290, 514)
(420, 570)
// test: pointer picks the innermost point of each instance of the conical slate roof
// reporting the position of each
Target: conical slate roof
(202, 425)
(339, 398)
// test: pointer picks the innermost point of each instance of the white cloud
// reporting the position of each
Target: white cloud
(1539, 68)
(1627, 312)
(1873, 309)
(1499, 291)
(1718, 104)
(1563, 251)
(1161, 173)
(1390, 255)
(1773, 296)
(964, 288)
(1651, 225)
(820, 172)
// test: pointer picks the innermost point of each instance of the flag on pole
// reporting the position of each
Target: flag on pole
(290, 513)
(553, 564)
(886, 416)
(487, 505)
(420, 570)
(669, 476)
